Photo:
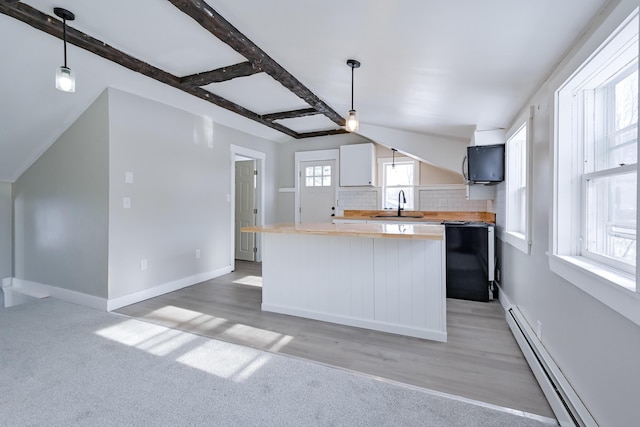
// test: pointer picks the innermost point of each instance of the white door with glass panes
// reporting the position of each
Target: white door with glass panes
(317, 190)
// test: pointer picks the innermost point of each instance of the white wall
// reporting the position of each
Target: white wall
(288, 150)
(72, 231)
(6, 233)
(596, 348)
(179, 196)
(61, 211)
(441, 151)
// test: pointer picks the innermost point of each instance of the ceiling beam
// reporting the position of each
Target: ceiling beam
(223, 74)
(291, 114)
(53, 26)
(189, 84)
(213, 22)
(322, 133)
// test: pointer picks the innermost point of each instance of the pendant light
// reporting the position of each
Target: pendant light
(352, 123)
(393, 158)
(65, 78)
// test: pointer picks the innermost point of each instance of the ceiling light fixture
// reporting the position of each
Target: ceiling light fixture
(352, 124)
(393, 158)
(65, 78)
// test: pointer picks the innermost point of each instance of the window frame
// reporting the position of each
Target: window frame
(322, 176)
(520, 241)
(382, 163)
(615, 288)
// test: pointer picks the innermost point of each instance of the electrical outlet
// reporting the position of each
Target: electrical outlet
(197, 253)
(497, 274)
(126, 202)
(128, 177)
(539, 329)
(143, 264)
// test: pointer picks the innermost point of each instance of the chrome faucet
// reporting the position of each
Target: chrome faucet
(401, 198)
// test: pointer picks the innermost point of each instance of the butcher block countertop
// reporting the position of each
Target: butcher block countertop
(422, 216)
(392, 231)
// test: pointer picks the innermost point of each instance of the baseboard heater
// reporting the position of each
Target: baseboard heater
(566, 405)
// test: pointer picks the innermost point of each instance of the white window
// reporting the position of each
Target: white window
(517, 186)
(401, 174)
(609, 178)
(596, 145)
(317, 176)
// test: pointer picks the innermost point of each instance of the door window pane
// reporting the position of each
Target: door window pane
(318, 176)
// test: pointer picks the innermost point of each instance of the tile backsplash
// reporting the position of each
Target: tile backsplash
(358, 199)
(428, 199)
(450, 199)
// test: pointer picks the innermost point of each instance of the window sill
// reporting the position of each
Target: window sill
(611, 288)
(517, 240)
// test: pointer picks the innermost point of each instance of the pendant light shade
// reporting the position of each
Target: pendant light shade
(65, 77)
(352, 122)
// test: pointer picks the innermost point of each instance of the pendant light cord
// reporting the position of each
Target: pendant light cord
(352, 87)
(64, 38)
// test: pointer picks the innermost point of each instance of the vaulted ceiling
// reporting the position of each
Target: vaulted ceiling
(277, 68)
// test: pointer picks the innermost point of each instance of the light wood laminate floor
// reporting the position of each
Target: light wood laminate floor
(480, 361)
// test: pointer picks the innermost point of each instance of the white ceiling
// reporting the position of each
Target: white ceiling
(428, 66)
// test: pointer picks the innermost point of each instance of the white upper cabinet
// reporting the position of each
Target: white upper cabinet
(357, 165)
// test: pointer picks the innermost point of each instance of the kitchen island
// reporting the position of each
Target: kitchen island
(385, 277)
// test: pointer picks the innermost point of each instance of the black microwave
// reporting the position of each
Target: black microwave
(485, 164)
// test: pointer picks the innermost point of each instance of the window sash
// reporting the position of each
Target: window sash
(607, 284)
(390, 192)
(517, 147)
(606, 237)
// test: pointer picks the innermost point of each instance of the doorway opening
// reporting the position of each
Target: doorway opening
(247, 202)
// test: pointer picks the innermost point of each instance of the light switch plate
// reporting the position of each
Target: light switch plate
(126, 202)
(128, 177)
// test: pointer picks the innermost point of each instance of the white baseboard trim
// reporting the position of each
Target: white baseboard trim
(18, 291)
(115, 303)
(505, 302)
(41, 290)
(429, 334)
(565, 403)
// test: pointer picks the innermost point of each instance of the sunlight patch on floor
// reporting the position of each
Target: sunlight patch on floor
(177, 316)
(257, 337)
(228, 361)
(205, 324)
(231, 362)
(235, 363)
(153, 339)
(250, 281)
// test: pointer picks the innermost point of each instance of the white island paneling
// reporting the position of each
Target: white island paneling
(386, 284)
